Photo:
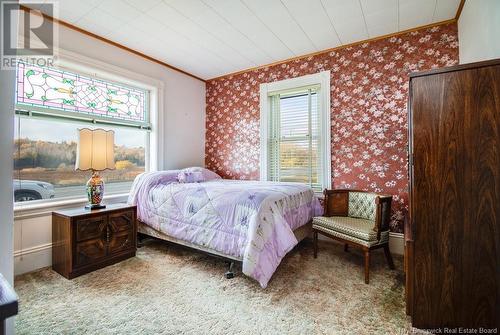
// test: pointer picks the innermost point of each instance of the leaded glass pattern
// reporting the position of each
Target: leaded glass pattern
(66, 91)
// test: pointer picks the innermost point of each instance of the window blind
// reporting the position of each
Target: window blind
(295, 144)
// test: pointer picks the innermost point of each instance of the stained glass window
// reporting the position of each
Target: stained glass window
(71, 93)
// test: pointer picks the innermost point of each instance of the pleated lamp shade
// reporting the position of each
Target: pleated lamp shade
(95, 150)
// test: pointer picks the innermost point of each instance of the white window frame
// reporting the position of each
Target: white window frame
(266, 89)
(154, 159)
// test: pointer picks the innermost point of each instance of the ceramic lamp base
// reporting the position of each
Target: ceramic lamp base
(95, 191)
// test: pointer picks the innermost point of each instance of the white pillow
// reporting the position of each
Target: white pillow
(196, 175)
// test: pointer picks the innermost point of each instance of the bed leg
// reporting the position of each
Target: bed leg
(140, 240)
(229, 273)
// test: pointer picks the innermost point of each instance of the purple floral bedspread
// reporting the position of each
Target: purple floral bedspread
(251, 220)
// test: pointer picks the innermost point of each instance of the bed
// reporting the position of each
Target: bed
(255, 223)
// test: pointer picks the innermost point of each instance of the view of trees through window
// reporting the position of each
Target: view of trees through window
(298, 164)
(45, 155)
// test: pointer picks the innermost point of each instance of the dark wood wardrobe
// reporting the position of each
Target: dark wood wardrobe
(452, 251)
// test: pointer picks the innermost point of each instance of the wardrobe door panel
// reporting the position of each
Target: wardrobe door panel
(455, 198)
(439, 132)
(482, 226)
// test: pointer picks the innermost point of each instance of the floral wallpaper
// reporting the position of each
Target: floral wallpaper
(369, 91)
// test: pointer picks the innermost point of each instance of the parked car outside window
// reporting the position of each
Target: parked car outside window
(26, 190)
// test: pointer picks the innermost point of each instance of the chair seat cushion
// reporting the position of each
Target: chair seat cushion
(353, 229)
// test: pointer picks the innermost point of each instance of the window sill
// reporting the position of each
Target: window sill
(24, 211)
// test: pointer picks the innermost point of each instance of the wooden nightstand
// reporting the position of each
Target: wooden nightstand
(85, 240)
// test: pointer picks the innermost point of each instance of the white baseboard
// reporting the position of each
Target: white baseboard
(32, 250)
(31, 259)
(396, 242)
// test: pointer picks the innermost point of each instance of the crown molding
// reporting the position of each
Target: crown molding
(100, 38)
(459, 10)
(336, 48)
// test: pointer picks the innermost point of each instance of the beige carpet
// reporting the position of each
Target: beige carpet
(167, 289)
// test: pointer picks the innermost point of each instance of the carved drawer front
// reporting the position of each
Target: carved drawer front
(90, 228)
(123, 221)
(121, 241)
(89, 251)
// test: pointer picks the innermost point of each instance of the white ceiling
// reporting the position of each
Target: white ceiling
(210, 38)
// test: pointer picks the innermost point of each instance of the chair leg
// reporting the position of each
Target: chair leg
(367, 266)
(346, 247)
(388, 256)
(315, 243)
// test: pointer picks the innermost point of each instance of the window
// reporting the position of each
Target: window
(69, 95)
(295, 131)
(51, 105)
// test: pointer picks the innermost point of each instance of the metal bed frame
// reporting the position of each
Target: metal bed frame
(144, 230)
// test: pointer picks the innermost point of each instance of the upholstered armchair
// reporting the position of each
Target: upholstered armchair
(356, 218)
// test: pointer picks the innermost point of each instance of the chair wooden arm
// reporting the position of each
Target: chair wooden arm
(383, 214)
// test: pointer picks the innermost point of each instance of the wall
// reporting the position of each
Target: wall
(184, 137)
(7, 81)
(184, 114)
(7, 93)
(369, 91)
(479, 31)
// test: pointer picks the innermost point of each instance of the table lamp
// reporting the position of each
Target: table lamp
(95, 151)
